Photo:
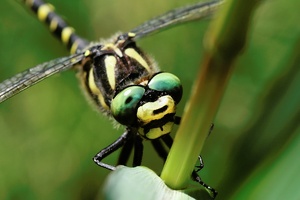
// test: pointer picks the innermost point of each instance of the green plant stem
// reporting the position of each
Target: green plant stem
(224, 41)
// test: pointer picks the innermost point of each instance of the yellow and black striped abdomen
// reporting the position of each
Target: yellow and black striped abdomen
(66, 34)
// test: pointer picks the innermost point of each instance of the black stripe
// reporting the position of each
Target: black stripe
(35, 5)
(61, 24)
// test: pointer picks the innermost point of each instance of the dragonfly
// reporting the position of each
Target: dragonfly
(120, 79)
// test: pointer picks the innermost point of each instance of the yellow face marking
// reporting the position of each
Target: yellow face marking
(110, 64)
(43, 11)
(157, 132)
(146, 113)
(133, 54)
(95, 90)
(113, 47)
(66, 34)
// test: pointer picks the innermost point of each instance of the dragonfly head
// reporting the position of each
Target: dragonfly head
(150, 108)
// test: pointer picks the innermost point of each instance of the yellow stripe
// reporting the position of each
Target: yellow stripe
(43, 11)
(95, 90)
(66, 34)
(53, 25)
(110, 64)
(136, 56)
(74, 47)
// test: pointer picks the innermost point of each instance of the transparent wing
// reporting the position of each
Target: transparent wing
(175, 17)
(23, 80)
(28, 78)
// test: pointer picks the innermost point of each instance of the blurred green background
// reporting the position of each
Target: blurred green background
(49, 133)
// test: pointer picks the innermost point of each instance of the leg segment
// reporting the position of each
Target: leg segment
(138, 151)
(112, 148)
(126, 151)
(211, 128)
(159, 148)
(211, 190)
(201, 164)
(169, 141)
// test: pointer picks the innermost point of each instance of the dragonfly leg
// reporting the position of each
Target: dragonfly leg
(211, 190)
(112, 148)
(169, 141)
(138, 151)
(159, 148)
(126, 151)
(201, 164)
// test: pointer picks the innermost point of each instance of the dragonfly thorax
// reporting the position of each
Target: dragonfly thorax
(113, 66)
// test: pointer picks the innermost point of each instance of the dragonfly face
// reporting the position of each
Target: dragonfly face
(151, 107)
(125, 83)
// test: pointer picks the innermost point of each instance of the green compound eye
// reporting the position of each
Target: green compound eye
(123, 106)
(167, 82)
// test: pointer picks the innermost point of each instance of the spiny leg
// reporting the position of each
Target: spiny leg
(135, 142)
(211, 129)
(169, 141)
(211, 190)
(112, 148)
(138, 151)
(159, 148)
(126, 151)
(201, 163)
(197, 178)
(177, 120)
